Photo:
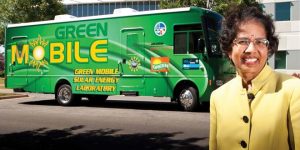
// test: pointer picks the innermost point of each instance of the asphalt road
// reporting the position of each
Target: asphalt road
(127, 123)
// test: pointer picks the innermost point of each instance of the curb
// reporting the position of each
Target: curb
(13, 96)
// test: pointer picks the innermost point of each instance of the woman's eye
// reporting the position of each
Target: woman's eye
(243, 42)
(258, 42)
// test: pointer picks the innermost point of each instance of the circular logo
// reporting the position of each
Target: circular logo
(134, 64)
(160, 29)
(38, 53)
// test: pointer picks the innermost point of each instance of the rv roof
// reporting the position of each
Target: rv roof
(101, 16)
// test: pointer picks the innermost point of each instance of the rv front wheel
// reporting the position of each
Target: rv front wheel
(65, 97)
(188, 98)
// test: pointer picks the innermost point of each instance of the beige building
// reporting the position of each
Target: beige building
(286, 14)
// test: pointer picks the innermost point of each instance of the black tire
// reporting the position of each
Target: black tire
(97, 99)
(65, 97)
(188, 99)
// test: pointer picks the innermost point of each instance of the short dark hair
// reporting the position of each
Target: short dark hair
(235, 16)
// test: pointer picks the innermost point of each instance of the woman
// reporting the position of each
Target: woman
(259, 109)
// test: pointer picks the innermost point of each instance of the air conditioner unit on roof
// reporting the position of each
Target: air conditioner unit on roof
(124, 11)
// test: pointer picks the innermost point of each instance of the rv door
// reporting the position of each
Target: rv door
(131, 66)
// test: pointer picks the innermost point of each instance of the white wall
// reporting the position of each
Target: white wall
(289, 34)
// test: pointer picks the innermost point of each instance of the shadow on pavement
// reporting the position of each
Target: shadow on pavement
(124, 104)
(52, 139)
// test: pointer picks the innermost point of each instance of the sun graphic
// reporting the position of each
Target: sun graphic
(38, 53)
(156, 61)
(134, 64)
(160, 64)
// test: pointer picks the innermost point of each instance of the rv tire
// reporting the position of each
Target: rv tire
(188, 98)
(65, 97)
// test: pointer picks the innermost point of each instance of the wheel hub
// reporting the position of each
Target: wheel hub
(186, 98)
(65, 95)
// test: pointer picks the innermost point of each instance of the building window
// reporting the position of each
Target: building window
(146, 5)
(135, 5)
(101, 9)
(280, 60)
(79, 10)
(283, 11)
(141, 6)
(96, 9)
(112, 7)
(92, 9)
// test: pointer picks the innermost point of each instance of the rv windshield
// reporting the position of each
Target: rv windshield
(213, 27)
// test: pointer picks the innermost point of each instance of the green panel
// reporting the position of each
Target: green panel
(157, 86)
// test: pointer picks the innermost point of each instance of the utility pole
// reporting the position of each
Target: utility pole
(209, 4)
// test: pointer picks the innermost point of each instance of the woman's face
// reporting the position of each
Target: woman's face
(250, 49)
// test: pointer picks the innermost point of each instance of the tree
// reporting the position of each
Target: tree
(218, 5)
(19, 11)
(181, 3)
(221, 6)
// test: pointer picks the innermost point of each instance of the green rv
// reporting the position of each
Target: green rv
(165, 53)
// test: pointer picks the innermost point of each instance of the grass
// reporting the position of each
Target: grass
(7, 95)
(1, 80)
(4, 94)
(1, 83)
(11, 95)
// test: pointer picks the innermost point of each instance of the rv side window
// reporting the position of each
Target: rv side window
(180, 40)
(187, 38)
(194, 38)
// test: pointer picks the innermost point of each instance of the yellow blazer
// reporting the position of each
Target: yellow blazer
(271, 121)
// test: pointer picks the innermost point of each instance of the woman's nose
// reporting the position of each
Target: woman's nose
(251, 48)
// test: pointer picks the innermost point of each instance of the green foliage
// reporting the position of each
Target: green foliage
(181, 3)
(2, 73)
(17, 11)
(219, 6)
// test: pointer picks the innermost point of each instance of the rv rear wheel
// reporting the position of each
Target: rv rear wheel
(187, 98)
(65, 97)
